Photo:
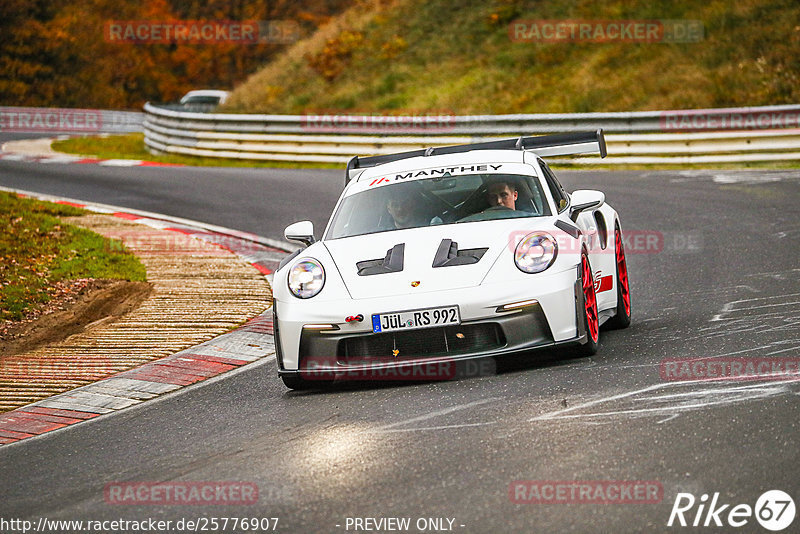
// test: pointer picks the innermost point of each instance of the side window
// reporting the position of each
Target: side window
(559, 195)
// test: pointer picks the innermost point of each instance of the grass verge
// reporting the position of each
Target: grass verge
(37, 251)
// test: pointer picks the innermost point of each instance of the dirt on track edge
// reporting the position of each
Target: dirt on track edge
(100, 302)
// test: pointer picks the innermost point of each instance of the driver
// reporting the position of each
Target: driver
(406, 212)
(502, 193)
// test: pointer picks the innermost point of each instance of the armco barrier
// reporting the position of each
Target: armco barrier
(769, 133)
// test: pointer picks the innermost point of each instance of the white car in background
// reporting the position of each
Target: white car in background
(450, 253)
(203, 99)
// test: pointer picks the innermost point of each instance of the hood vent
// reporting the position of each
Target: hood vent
(392, 263)
(449, 255)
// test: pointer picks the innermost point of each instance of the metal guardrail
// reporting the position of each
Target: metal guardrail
(770, 133)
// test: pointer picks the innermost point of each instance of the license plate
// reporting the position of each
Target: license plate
(427, 318)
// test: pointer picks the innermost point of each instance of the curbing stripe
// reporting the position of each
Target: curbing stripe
(51, 418)
(129, 387)
(73, 204)
(22, 424)
(262, 269)
(10, 434)
(54, 411)
(127, 216)
(82, 160)
(136, 395)
(121, 162)
(59, 159)
(218, 359)
(157, 164)
(65, 403)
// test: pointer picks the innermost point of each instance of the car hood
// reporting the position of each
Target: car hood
(419, 252)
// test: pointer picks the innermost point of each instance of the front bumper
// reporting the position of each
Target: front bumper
(430, 367)
(484, 330)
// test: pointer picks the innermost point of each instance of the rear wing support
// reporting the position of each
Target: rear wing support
(542, 145)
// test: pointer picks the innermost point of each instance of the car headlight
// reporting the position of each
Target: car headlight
(535, 252)
(306, 278)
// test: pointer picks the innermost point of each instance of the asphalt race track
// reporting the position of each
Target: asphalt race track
(722, 280)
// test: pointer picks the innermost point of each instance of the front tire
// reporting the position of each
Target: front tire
(590, 316)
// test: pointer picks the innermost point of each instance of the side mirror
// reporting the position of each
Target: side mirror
(585, 199)
(302, 231)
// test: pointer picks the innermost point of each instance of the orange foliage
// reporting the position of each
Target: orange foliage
(335, 55)
(58, 54)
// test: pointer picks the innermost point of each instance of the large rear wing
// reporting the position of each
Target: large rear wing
(543, 145)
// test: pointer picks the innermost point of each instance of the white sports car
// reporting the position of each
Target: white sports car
(450, 253)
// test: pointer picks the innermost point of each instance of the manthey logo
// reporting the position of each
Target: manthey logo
(442, 172)
(774, 510)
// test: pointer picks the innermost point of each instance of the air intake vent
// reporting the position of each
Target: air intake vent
(392, 263)
(427, 342)
(448, 254)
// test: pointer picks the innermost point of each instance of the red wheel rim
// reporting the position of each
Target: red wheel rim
(590, 300)
(622, 272)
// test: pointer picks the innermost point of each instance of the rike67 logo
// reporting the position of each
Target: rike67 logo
(774, 510)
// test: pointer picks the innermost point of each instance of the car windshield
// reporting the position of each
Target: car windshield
(438, 201)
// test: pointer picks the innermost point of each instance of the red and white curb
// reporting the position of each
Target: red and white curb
(249, 343)
(38, 150)
(66, 158)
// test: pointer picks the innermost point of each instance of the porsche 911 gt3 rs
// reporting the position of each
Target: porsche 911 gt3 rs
(451, 253)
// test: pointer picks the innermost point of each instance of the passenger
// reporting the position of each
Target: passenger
(406, 210)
